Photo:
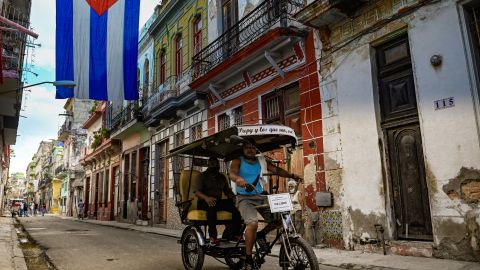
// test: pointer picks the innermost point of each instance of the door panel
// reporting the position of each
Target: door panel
(161, 182)
(399, 120)
(410, 191)
(143, 189)
(398, 96)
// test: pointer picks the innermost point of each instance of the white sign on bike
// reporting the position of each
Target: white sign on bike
(280, 202)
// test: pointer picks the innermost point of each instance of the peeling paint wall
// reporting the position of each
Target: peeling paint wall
(355, 170)
(451, 140)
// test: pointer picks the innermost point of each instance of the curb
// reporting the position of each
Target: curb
(17, 253)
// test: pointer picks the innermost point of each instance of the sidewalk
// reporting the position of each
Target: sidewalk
(331, 257)
(11, 255)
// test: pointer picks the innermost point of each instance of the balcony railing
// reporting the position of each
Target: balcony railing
(13, 42)
(126, 115)
(59, 169)
(251, 27)
(170, 88)
(65, 128)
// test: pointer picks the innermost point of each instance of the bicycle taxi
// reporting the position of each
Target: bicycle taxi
(188, 162)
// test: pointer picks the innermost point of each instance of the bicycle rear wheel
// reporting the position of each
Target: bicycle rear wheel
(193, 254)
(300, 256)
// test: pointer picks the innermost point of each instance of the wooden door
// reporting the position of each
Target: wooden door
(126, 177)
(95, 195)
(161, 182)
(87, 196)
(400, 125)
(143, 178)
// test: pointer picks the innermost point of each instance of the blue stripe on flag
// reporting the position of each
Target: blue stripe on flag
(64, 46)
(98, 56)
(130, 48)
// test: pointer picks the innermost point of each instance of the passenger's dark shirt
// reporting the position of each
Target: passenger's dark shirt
(212, 183)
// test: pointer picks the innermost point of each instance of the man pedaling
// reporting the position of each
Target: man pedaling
(245, 172)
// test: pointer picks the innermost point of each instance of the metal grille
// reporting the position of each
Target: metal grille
(179, 138)
(247, 30)
(237, 116)
(14, 27)
(223, 121)
(196, 132)
(272, 108)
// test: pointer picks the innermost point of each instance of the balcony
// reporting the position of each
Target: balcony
(321, 13)
(64, 130)
(14, 25)
(124, 121)
(60, 170)
(264, 19)
(163, 92)
(168, 99)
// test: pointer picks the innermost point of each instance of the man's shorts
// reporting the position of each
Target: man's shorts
(246, 206)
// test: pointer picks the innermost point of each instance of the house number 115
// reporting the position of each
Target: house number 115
(444, 103)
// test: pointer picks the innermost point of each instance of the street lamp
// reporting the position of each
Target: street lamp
(66, 84)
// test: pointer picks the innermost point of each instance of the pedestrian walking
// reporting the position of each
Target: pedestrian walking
(31, 207)
(20, 210)
(25, 209)
(35, 209)
(81, 208)
(44, 209)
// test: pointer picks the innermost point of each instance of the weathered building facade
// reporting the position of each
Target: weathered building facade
(42, 162)
(400, 116)
(174, 113)
(15, 24)
(259, 67)
(101, 160)
(74, 138)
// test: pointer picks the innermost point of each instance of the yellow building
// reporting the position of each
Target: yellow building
(56, 185)
(175, 113)
(178, 33)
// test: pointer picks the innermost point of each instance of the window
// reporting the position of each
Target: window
(272, 107)
(283, 107)
(179, 138)
(472, 16)
(178, 56)
(237, 116)
(138, 78)
(146, 79)
(223, 121)
(197, 35)
(196, 132)
(162, 61)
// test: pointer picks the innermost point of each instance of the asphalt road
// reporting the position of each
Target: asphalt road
(76, 245)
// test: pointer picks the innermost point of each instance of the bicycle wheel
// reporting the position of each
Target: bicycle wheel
(193, 254)
(301, 256)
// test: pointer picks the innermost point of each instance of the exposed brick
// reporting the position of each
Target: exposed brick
(471, 190)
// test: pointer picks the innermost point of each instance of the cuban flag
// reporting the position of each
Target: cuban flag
(97, 48)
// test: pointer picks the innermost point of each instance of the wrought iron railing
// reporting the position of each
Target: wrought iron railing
(65, 128)
(126, 115)
(12, 41)
(170, 88)
(248, 29)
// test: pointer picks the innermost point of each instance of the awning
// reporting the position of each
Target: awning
(266, 137)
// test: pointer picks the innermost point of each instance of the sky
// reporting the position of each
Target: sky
(40, 119)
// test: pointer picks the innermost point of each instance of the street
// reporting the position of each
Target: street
(78, 245)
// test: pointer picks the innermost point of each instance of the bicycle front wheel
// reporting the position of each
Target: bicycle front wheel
(300, 256)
